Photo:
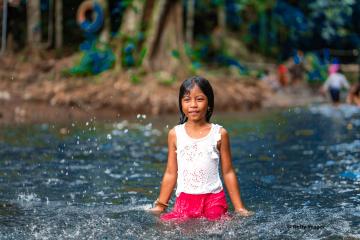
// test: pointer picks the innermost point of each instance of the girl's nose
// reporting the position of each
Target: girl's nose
(193, 104)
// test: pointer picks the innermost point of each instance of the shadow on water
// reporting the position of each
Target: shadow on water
(298, 170)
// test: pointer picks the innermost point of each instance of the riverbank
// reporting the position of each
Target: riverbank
(40, 92)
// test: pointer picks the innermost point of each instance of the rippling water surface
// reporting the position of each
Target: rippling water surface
(299, 170)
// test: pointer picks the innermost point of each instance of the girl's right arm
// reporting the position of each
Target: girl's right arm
(170, 175)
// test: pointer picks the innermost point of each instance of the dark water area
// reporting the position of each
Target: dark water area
(298, 169)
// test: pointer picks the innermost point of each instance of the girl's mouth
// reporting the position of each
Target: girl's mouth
(193, 112)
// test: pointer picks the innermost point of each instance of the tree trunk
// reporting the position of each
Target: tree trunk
(4, 25)
(33, 26)
(190, 22)
(130, 26)
(49, 42)
(58, 24)
(263, 31)
(165, 43)
(105, 33)
(219, 33)
(131, 23)
(221, 18)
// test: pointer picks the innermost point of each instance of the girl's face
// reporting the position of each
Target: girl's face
(194, 105)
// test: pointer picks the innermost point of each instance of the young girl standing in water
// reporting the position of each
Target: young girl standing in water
(196, 147)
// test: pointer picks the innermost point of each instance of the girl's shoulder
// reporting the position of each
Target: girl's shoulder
(223, 131)
(172, 131)
(220, 130)
(172, 135)
(178, 127)
(218, 127)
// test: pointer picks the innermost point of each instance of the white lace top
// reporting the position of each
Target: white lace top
(198, 162)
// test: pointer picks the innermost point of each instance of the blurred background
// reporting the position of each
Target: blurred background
(48, 45)
(88, 93)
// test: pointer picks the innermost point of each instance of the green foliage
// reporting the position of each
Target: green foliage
(335, 15)
(134, 78)
(165, 78)
(132, 55)
(93, 61)
(175, 53)
(195, 57)
(141, 56)
(317, 71)
(259, 5)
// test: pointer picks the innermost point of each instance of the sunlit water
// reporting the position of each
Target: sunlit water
(299, 171)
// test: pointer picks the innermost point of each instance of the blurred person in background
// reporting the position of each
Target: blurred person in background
(335, 83)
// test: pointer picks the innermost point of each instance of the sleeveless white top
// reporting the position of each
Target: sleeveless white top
(198, 162)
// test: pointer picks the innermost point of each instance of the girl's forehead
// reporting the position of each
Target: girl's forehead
(194, 90)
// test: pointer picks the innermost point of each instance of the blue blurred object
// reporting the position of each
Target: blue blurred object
(94, 26)
(350, 175)
(94, 61)
(129, 60)
(335, 61)
(225, 60)
(290, 16)
(129, 48)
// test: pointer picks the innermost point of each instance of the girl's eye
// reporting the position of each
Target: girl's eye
(186, 99)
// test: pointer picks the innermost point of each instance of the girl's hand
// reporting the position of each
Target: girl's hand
(244, 212)
(157, 209)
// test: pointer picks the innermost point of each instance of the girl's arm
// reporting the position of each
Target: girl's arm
(170, 175)
(229, 175)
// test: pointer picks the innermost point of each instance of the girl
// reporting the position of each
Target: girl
(196, 147)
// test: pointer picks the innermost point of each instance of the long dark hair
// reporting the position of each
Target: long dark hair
(205, 87)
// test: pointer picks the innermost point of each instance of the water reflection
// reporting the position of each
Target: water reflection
(298, 170)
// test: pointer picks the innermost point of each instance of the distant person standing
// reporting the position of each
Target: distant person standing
(297, 68)
(282, 72)
(334, 83)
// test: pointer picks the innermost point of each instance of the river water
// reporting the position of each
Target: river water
(298, 169)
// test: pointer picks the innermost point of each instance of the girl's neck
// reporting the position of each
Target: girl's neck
(197, 124)
(197, 130)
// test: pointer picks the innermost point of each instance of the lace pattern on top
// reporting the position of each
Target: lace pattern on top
(198, 162)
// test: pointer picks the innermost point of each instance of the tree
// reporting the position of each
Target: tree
(105, 33)
(165, 38)
(190, 14)
(33, 26)
(58, 24)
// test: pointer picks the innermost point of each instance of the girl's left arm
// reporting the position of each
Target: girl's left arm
(229, 175)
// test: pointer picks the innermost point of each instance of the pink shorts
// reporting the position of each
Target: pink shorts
(211, 206)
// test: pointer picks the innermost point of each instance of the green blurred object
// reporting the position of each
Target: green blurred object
(93, 61)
